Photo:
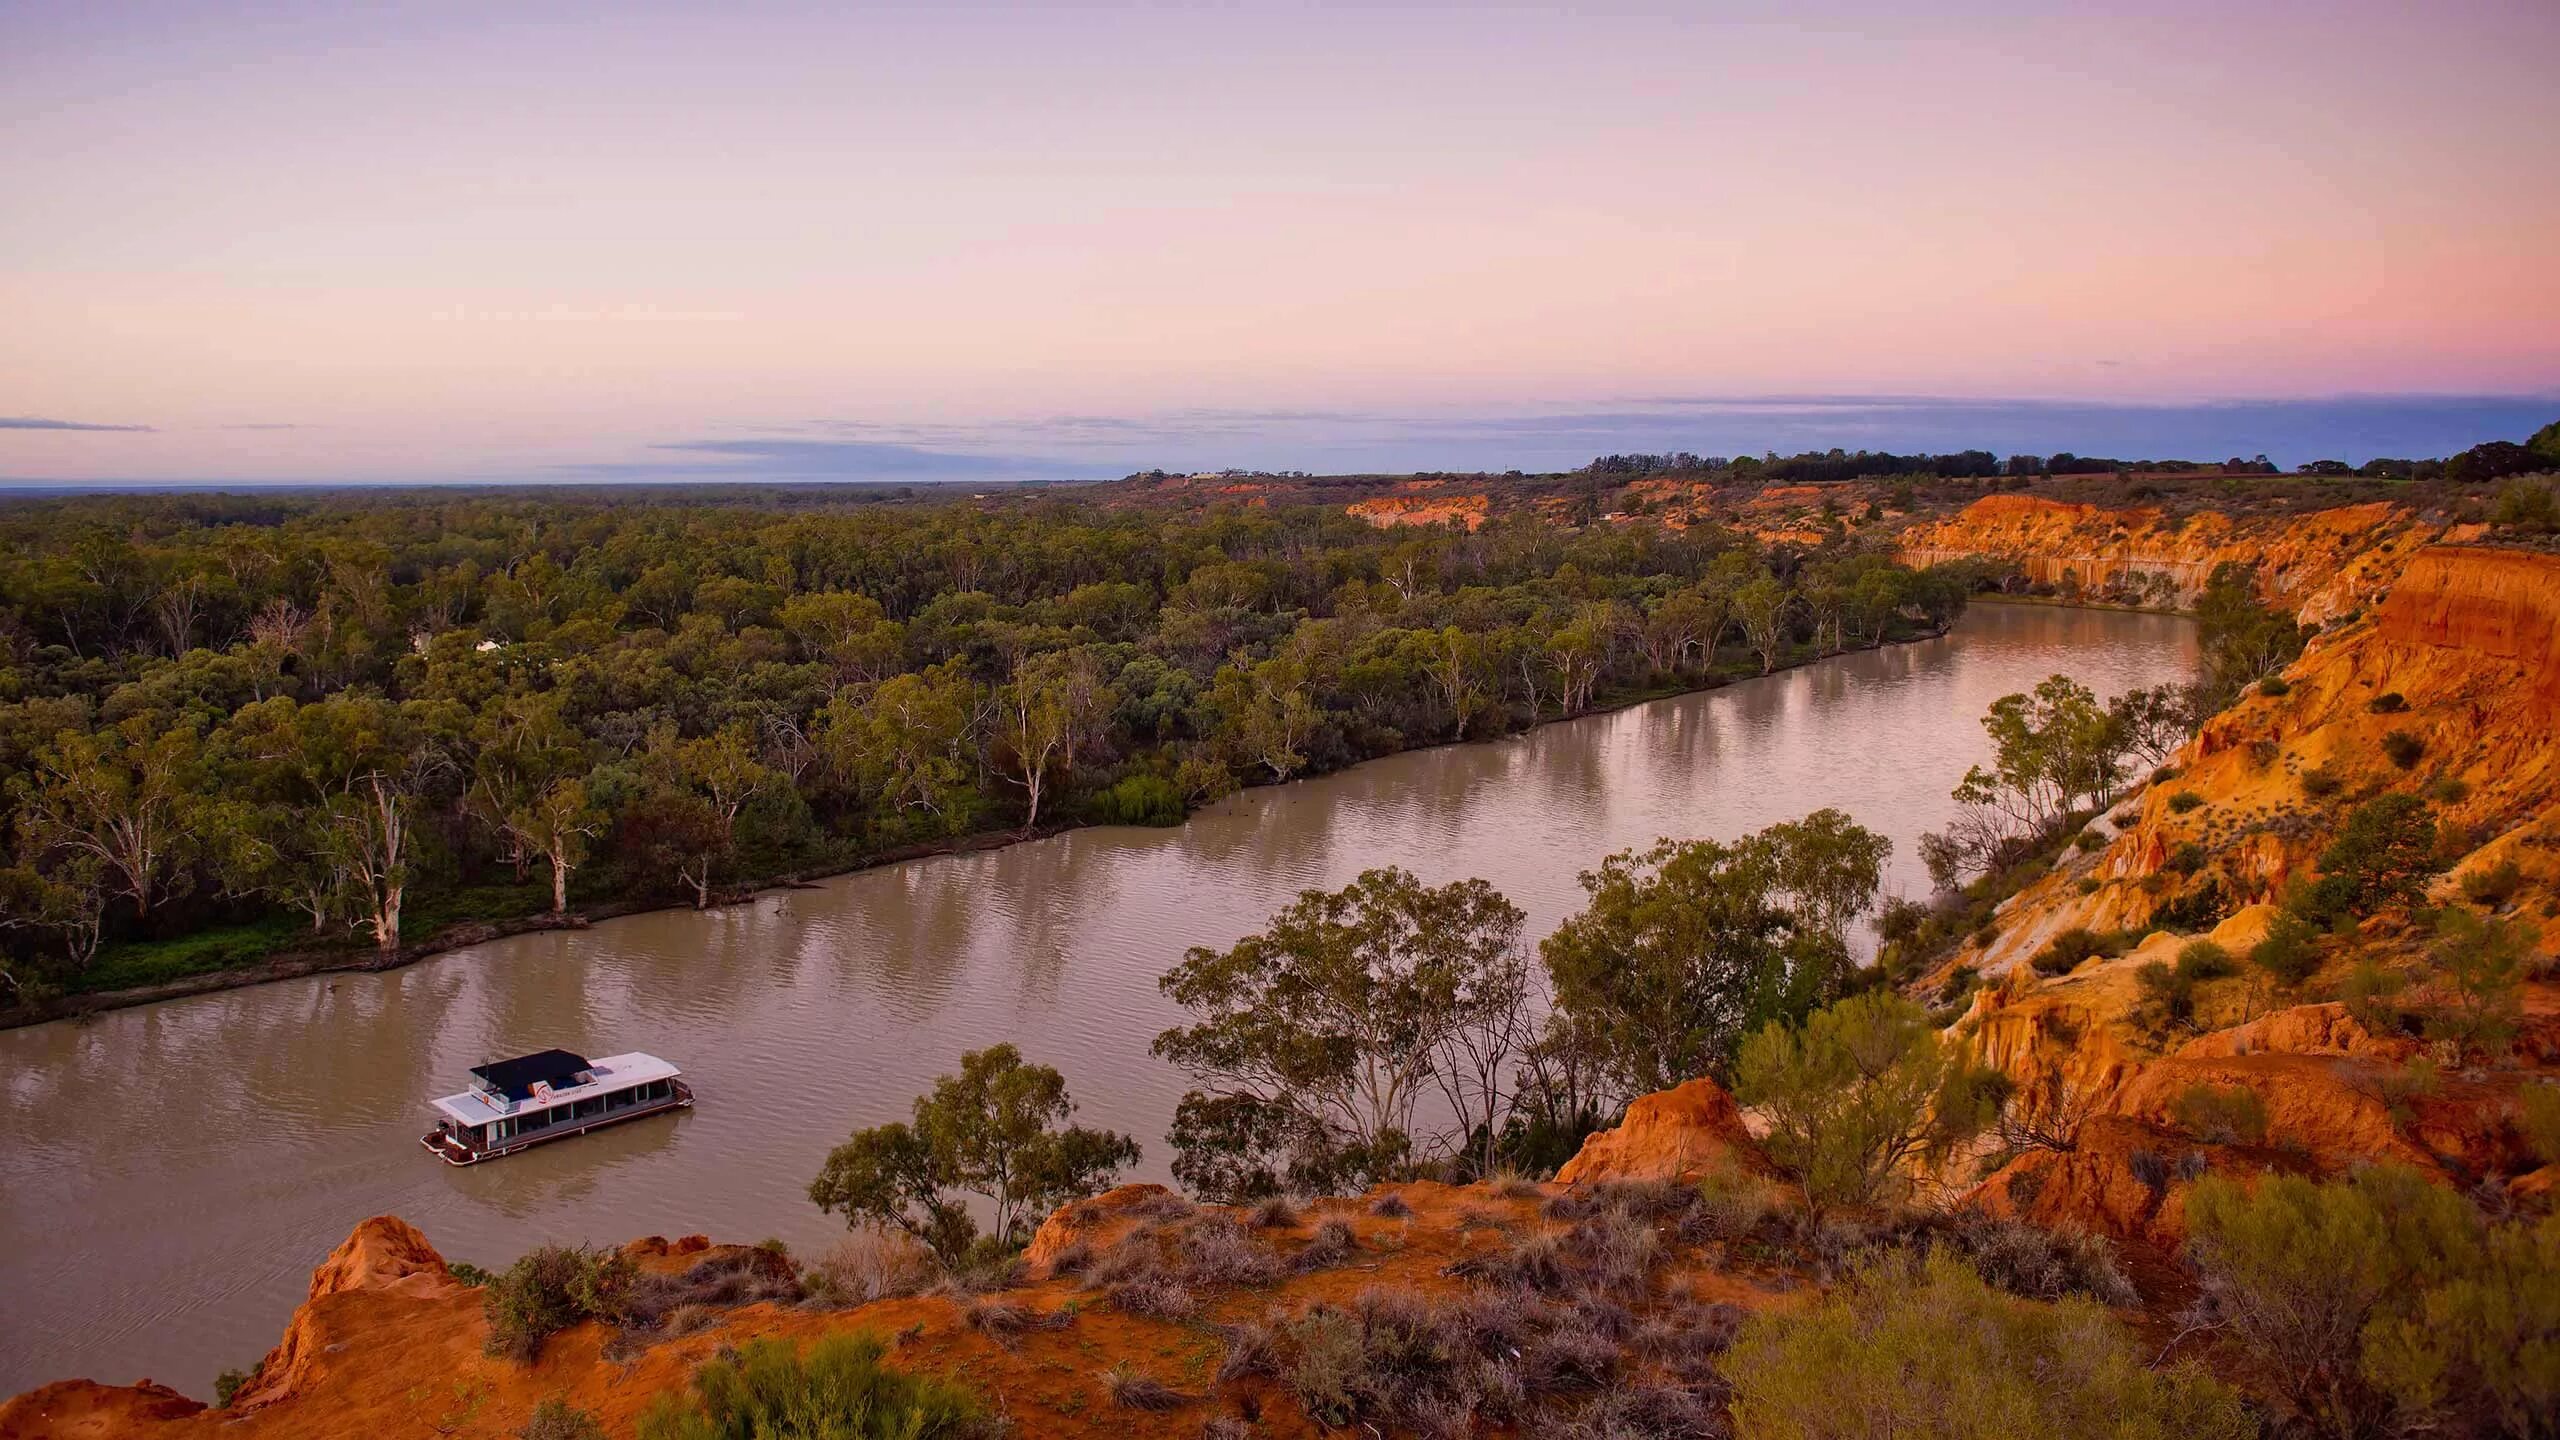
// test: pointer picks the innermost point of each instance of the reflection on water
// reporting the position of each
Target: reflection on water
(168, 1175)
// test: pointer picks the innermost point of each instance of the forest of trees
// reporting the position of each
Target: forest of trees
(233, 726)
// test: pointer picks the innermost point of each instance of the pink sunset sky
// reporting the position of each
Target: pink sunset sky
(540, 241)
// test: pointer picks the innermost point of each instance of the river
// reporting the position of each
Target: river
(169, 1174)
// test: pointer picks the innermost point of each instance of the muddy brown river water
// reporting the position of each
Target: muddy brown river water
(170, 1174)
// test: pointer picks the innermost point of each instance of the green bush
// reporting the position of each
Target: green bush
(837, 1390)
(548, 1291)
(2221, 1114)
(1864, 1086)
(2184, 801)
(2187, 859)
(1926, 1349)
(2390, 702)
(2493, 886)
(2289, 952)
(2165, 997)
(2538, 1115)
(2483, 965)
(2381, 857)
(557, 1419)
(2320, 782)
(2449, 790)
(2201, 960)
(2273, 685)
(2403, 748)
(2383, 1304)
(228, 1385)
(2064, 954)
(1141, 800)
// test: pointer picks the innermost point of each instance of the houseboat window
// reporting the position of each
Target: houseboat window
(532, 1120)
(587, 1109)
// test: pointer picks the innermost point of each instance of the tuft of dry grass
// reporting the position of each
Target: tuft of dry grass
(1275, 1213)
(1253, 1348)
(1167, 1206)
(1536, 1264)
(1219, 1250)
(1159, 1297)
(1390, 1206)
(871, 1263)
(1006, 1321)
(1134, 1390)
(1334, 1242)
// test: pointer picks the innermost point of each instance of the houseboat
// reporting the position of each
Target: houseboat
(551, 1095)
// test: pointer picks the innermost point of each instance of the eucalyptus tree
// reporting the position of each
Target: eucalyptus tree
(1316, 1041)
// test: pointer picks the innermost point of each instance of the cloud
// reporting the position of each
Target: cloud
(34, 422)
(793, 459)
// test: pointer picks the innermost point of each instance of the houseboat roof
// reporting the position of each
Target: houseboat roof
(515, 1078)
(611, 1073)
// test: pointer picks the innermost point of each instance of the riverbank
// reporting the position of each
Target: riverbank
(351, 955)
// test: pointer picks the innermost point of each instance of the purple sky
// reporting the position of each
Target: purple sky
(527, 241)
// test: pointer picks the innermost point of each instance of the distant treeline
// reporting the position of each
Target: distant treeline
(232, 725)
(2486, 463)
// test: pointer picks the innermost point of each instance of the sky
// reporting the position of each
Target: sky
(540, 242)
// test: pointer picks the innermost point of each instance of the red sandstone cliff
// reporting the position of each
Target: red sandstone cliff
(2322, 563)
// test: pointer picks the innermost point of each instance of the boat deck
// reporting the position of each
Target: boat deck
(453, 1151)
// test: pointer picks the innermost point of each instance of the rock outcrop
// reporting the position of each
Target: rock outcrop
(86, 1410)
(2321, 563)
(1673, 1135)
(386, 1253)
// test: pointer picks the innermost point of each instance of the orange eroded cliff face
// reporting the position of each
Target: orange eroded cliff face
(2322, 563)
(2463, 658)
(1389, 511)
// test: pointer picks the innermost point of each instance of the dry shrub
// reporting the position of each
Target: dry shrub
(1390, 1206)
(1275, 1213)
(1732, 1205)
(739, 1277)
(1218, 1250)
(2040, 1264)
(871, 1263)
(1159, 1297)
(2221, 1114)
(1334, 1242)
(1135, 1257)
(1253, 1348)
(1579, 1202)
(1648, 1199)
(1643, 1411)
(1163, 1206)
(1536, 1264)
(1518, 1187)
(1614, 1251)
(1005, 1321)
(1134, 1390)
